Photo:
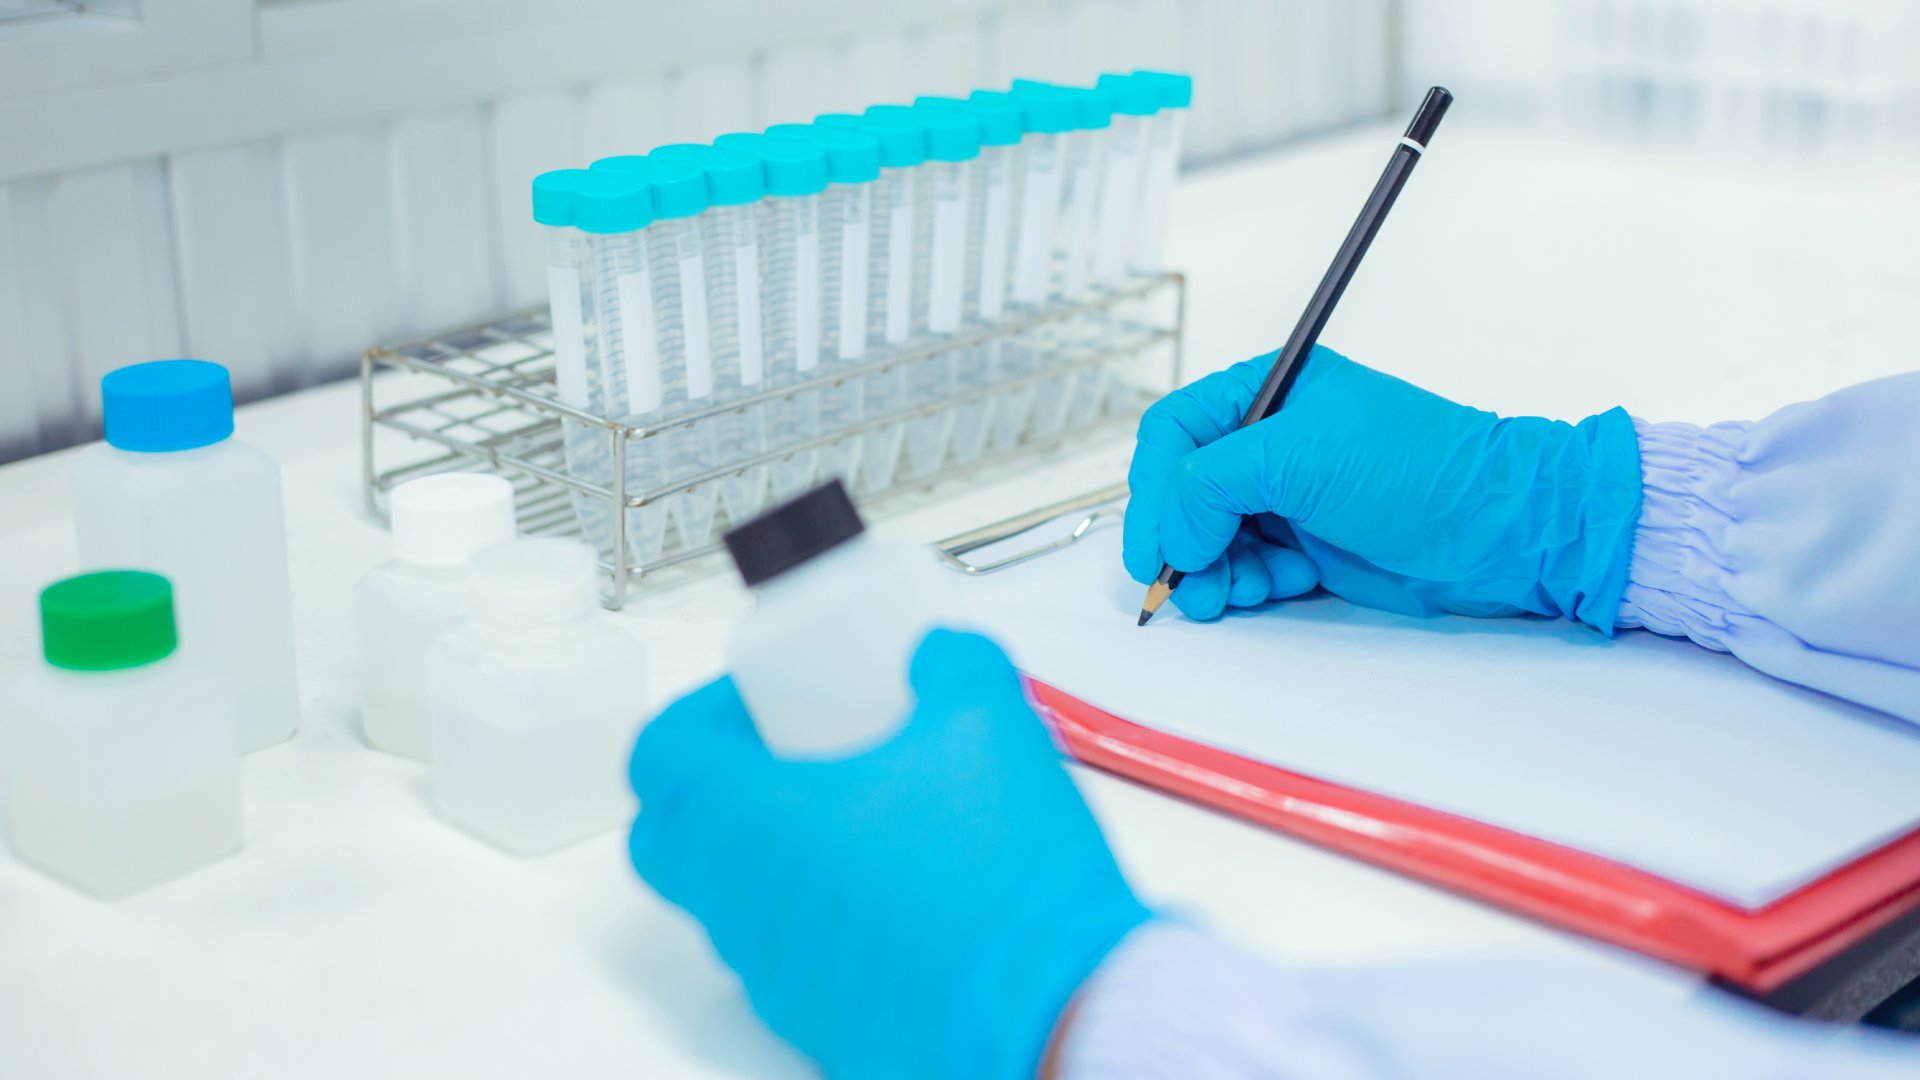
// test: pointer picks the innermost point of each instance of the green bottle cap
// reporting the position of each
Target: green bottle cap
(107, 621)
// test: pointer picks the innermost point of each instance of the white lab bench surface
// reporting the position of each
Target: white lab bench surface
(355, 934)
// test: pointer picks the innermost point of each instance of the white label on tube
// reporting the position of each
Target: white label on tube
(1040, 206)
(746, 279)
(899, 272)
(699, 338)
(639, 342)
(947, 276)
(1119, 195)
(806, 298)
(993, 254)
(854, 287)
(1080, 231)
(569, 336)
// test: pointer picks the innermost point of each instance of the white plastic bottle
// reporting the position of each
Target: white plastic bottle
(121, 768)
(846, 216)
(1165, 136)
(822, 661)
(170, 490)
(730, 228)
(401, 607)
(535, 702)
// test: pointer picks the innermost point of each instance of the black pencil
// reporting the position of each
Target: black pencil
(1286, 369)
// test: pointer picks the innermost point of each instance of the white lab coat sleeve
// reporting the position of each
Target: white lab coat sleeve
(1172, 1002)
(1791, 542)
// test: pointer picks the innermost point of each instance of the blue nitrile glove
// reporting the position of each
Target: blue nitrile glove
(923, 909)
(1385, 494)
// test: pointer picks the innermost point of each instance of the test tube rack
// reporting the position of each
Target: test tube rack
(483, 398)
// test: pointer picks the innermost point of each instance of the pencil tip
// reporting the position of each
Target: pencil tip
(1144, 616)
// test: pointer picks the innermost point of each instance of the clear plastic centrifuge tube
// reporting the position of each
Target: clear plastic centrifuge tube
(795, 173)
(903, 149)
(570, 302)
(730, 229)
(1135, 103)
(678, 253)
(612, 209)
(1164, 137)
(853, 164)
(1077, 340)
(1049, 115)
(948, 180)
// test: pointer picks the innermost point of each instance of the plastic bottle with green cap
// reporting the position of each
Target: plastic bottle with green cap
(846, 217)
(172, 491)
(1136, 101)
(795, 172)
(676, 252)
(611, 209)
(122, 771)
(730, 225)
(1165, 135)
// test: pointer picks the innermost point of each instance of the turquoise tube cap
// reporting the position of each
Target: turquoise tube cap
(1092, 109)
(612, 201)
(999, 118)
(853, 156)
(793, 168)
(1176, 90)
(628, 162)
(1044, 108)
(1133, 95)
(902, 133)
(952, 135)
(553, 196)
(679, 188)
(733, 178)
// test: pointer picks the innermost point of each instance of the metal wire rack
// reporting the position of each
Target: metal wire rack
(483, 398)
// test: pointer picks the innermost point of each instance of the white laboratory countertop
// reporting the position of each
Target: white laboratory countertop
(357, 935)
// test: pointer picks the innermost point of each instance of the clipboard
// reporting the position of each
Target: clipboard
(1758, 951)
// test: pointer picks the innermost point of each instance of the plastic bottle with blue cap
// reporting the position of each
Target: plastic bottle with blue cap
(990, 218)
(1086, 154)
(1047, 117)
(612, 209)
(171, 490)
(947, 183)
(1165, 135)
(121, 767)
(853, 164)
(731, 228)
(1047, 251)
(677, 253)
(1136, 101)
(795, 173)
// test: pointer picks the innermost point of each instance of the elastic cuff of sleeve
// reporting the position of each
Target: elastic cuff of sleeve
(1585, 579)
(1676, 579)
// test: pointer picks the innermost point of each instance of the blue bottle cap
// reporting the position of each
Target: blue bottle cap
(853, 156)
(1044, 108)
(167, 405)
(733, 178)
(1133, 95)
(903, 138)
(793, 167)
(628, 162)
(553, 196)
(952, 135)
(1176, 90)
(999, 118)
(612, 201)
(679, 188)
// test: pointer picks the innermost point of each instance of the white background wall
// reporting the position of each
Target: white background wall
(278, 184)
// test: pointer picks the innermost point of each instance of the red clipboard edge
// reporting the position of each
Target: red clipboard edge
(1760, 950)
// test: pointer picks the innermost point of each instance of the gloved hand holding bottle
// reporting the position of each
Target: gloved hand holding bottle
(1792, 542)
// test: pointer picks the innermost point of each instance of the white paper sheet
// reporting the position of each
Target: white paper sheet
(1648, 750)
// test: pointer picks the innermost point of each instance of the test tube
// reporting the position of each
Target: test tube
(569, 302)
(989, 232)
(1164, 136)
(1077, 341)
(613, 208)
(730, 229)
(903, 149)
(948, 182)
(1135, 103)
(853, 164)
(796, 174)
(1047, 116)
(676, 252)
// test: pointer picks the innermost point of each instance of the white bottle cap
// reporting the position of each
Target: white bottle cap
(527, 583)
(445, 520)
